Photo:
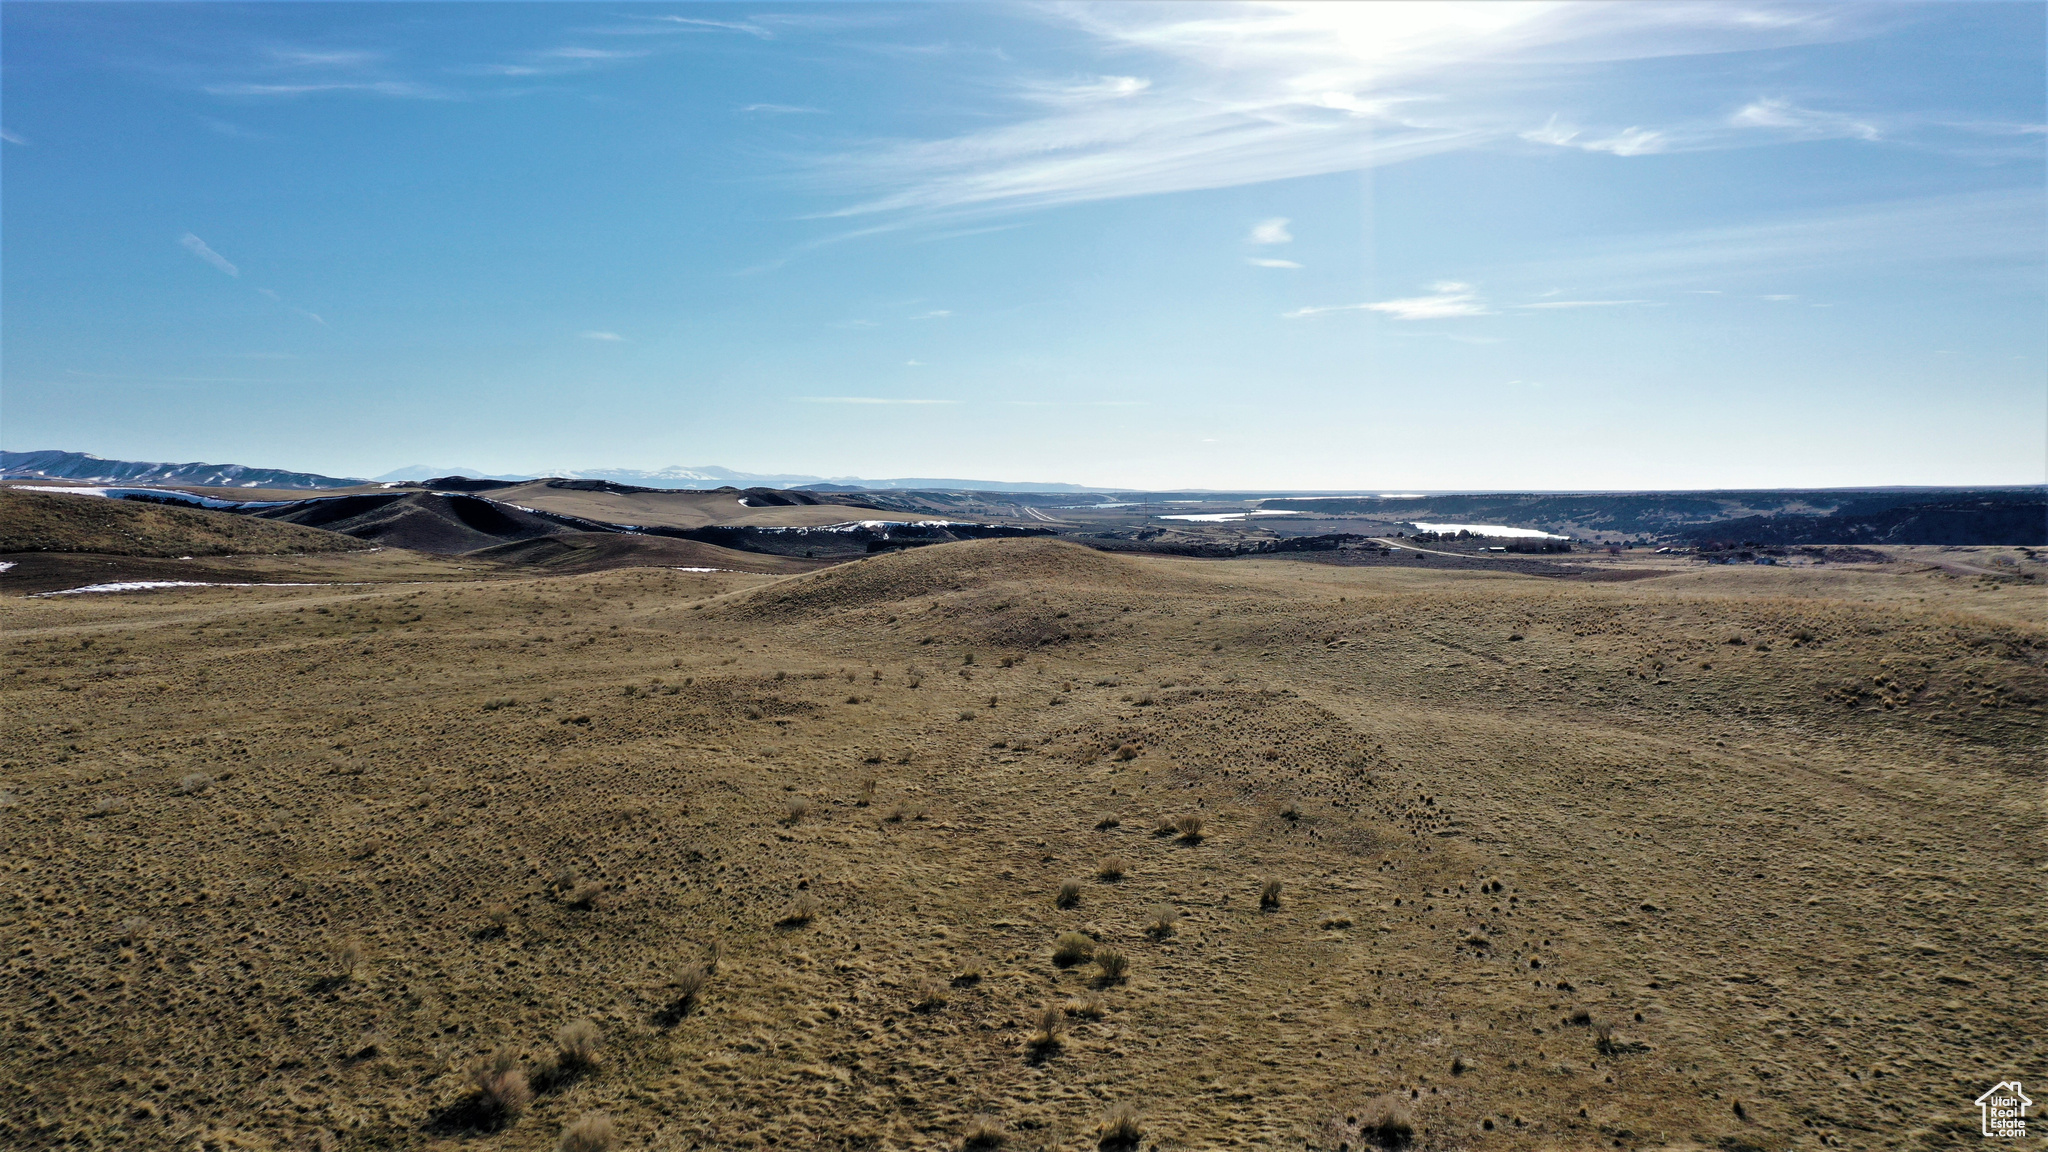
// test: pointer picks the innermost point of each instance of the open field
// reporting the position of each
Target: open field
(1739, 858)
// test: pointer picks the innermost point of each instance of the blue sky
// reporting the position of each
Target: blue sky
(1318, 246)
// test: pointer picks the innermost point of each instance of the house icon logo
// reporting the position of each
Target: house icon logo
(2005, 1109)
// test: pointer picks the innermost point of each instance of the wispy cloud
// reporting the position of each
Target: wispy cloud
(1087, 91)
(606, 336)
(1268, 262)
(1243, 93)
(692, 23)
(1581, 303)
(11, 138)
(1448, 300)
(325, 58)
(401, 89)
(1989, 233)
(934, 314)
(1805, 123)
(868, 400)
(1631, 141)
(575, 53)
(781, 109)
(197, 247)
(1272, 231)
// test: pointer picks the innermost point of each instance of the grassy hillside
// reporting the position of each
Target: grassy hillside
(31, 522)
(1728, 858)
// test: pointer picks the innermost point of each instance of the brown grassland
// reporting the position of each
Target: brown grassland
(651, 859)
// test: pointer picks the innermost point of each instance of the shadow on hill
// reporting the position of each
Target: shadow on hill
(424, 522)
(577, 552)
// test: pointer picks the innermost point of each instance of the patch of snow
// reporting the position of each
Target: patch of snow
(703, 569)
(1489, 530)
(171, 495)
(5, 565)
(871, 526)
(153, 585)
(1225, 517)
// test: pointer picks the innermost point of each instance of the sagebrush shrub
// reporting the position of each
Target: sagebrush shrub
(577, 1044)
(1110, 868)
(983, 1133)
(591, 1132)
(802, 910)
(1119, 1128)
(1112, 964)
(501, 1085)
(1051, 1023)
(1161, 920)
(1071, 948)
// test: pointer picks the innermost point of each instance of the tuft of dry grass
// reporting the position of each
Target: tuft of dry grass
(1161, 920)
(1166, 826)
(1127, 752)
(1386, 1122)
(1052, 1024)
(1110, 869)
(903, 810)
(1269, 896)
(577, 1044)
(347, 956)
(972, 971)
(590, 1132)
(797, 808)
(111, 806)
(134, 929)
(1119, 1129)
(689, 984)
(1112, 964)
(984, 1132)
(867, 792)
(194, 783)
(1336, 920)
(1108, 822)
(1087, 1005)
(929, 995)
(585, 894)
(801, 911)
(1190, 827)
(1068, 895)
(1070, 948)
(501, 1085)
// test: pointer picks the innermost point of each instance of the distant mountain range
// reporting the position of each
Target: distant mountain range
(712, 476)
(82, 467)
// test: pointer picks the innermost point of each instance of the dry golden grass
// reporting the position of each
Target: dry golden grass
(591, 1132)
(1072, 948)
(1772, 879)
(984, 1132)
